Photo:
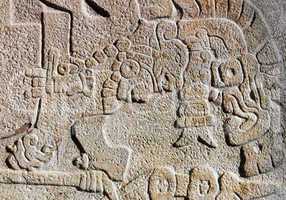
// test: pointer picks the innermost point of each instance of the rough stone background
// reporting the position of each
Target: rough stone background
(55, 129)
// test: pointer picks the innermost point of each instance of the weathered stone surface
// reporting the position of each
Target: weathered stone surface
(142, 99)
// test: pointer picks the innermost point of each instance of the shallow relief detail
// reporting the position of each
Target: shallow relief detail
(204, 183)
(212, 56)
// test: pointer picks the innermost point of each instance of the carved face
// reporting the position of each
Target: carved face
(162, 184)
(204, 184)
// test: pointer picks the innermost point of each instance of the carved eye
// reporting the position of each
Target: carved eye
(99, 56)
(231, 73)
(63, 69)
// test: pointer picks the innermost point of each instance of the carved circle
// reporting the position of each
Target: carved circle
(231, 73)
(129, 69)
(123, 44)
(63, 69)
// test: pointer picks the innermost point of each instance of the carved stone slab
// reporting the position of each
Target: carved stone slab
(142, 99)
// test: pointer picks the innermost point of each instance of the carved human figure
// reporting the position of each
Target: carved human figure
(236, 72)
(194, 110)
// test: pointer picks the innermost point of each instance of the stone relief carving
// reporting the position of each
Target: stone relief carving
(215, 59)
(204, 183)
(27, 154)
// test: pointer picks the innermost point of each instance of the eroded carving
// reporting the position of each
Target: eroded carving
(262, 156)
(130, 80)
(90, 181)
(162, 184)
(89, 134)
(211, 55)
(61, 78)
(204, 182)
(243, 97)
(27, 153)
(194, 111)
(233, 187)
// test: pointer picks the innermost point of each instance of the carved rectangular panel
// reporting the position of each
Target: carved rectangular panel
(142, 99)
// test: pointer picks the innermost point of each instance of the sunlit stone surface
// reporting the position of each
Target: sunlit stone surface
(142, 99)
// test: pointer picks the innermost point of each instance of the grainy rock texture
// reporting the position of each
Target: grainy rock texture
(142, 99)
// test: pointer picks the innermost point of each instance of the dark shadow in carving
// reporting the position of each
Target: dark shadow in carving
(179, 9)
(43, 41)
(98, 9)
(205, 143)
(55, 6)
(59, 8)
(242, 163)
(35, 125)
(75, 140)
